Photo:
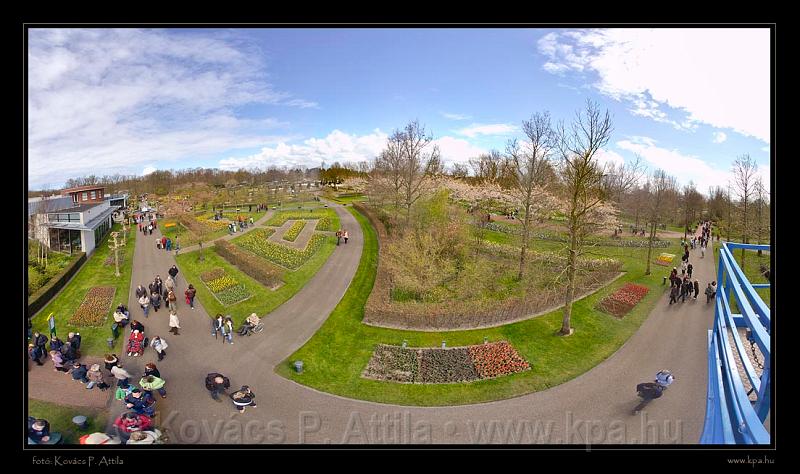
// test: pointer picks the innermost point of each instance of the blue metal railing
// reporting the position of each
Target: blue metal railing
(731, 417)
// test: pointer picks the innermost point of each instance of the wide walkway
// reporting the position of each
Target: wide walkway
(592, 408)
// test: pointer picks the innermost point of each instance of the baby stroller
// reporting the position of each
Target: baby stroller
(136, 343)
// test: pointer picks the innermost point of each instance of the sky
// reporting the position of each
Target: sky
(130, 101)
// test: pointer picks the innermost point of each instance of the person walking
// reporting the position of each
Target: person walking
(35, 353)
(243, 398)
(689, 269)
(159, 345)
(696, 288)
(173, 272)
(177, 246)
(158, 243)
(121, 375)
(346, 236)
(227, 329)
(140, 402)
(686, 289)
(140, 291)
(216, 384)
(149, 383)
(58, 362)
(703, 251)
(155, 300)
(169, 244)
(172, 300)
(150, 229)
(152, 287)
(144, 303)
(190, 294)
(174, 324)
(338, 236)
(96, 378)
(164, 242)
(709, 293)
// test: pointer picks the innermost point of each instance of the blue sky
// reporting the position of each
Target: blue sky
(129, 101)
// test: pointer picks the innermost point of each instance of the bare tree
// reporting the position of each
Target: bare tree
(418, 162)
(527, 162)
(744, 175)
(691, 200)
(487, 167)
(459, 170)
(582, 178)
(660, 186)
(761, 196)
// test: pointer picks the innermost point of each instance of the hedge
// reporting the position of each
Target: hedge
(43, 295)
(252, 265)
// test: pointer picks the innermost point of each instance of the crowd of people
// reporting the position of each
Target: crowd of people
(147, 223)
(684, 286)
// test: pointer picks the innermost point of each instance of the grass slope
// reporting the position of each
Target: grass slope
(60, 418)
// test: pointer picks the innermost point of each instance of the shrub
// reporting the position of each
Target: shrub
(95, 307)
(252, 265)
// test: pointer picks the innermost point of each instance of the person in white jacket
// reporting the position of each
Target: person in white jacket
(121, 375)
(174, 323)
(159, 345)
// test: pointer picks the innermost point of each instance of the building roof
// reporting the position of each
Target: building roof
(91, 225)
(79, 208)
(82, 188)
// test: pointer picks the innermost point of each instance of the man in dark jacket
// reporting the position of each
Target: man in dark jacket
(79, 372)
(74, 338)
(140, 291)
(140, 402)
(153, 287)
(56, 344)
(40, 340)
(696, 288)
(216, 384)
(68, 352)
(173, 272)
(39, 431)
(35, 353)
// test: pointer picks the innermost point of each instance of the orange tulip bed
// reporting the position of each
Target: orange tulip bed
(623, 300)
(444, 365)
(94, 308)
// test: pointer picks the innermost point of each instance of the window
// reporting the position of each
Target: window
(92, 196)
(83, 196)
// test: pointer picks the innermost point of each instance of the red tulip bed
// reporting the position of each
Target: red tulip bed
(444, 365)
(623, 300)
(95, 307)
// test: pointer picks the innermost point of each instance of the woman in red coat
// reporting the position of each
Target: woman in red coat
(129, 422)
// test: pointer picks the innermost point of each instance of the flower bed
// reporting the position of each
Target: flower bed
(497, 359)
(293, 231)
(212, 274)
(444, 365)
(252, 265)
(224, 287)
(290, 258)
(219, 284)
(665, 259)
(324, 216)
(623, 300)
(95, 307)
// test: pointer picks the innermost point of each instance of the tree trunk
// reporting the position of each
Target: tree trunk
(650, 246)
(526, 226)
(565, 322)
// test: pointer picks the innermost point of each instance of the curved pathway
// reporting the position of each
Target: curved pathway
(592, 408)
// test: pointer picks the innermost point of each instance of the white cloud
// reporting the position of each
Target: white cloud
(683, 167)
(105, 101)
(487, 129)
(457, 150)
(455, 116)
(337, 146)
(609, 157)
(720, 137)
(147, 170)
(714, 76)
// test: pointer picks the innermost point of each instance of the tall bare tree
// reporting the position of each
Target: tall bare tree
(419, 160)
(527, 161)
(744, 176)
(660, 186)
(582, 178)
(761, 197)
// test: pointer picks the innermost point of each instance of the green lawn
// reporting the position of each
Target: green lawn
(336, 355)
(92, 273)
(348, 198)
(263, 300)
(60, 418)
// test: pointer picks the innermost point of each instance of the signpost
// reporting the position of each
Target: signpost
(51, 322)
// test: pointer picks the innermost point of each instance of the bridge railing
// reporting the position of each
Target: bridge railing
(731, 417)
